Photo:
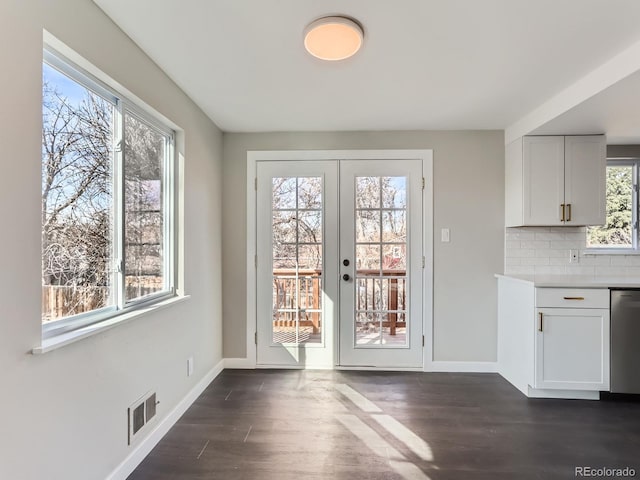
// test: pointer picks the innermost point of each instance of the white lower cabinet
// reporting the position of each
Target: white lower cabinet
(553, 342)
(572, 348)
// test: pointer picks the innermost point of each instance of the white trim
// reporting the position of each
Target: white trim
(464, 367)
(239, 363)
(609, 251)
(619, 67)
(64, 339)
(147, 444)
(566, 394)
(427, 245)
(426, 155)
(380, 369)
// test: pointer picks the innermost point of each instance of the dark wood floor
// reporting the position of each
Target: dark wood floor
(284, 424)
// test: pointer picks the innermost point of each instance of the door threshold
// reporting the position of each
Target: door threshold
(295, 367)
(340, 367)
(381, 369)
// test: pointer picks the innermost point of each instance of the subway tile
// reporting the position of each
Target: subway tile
(559, 260)
(602, 260)
(548, 236)
(513, 244)
(512, 261)
(567, 230)
(565, 244)
(580, 270)
(549, 270)
(618, 271)
(519, 270)
(534, 261)
(625, 260)
(520, 235)
(538, 244)
(553, 252)
(522, 252)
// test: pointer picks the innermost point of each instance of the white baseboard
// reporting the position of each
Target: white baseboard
(136, 457)
(463, 367)
(568, 394)
(239, 363)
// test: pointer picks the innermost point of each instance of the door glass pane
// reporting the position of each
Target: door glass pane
(368, 259)
(367, 192)
(394, 192)
(296, 234)
(368, 226)
(310, 227)
(381, 261)
(367, 329)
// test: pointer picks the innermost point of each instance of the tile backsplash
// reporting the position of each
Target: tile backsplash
(545, 251)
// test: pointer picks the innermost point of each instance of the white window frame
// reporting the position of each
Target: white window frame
(123, 105)
(635, 234)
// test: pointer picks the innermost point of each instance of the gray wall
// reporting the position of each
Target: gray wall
(64, 413)
(468, 199)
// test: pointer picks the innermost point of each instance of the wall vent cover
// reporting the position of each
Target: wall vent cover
(140, 413)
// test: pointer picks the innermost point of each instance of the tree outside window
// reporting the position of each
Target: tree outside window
(619, 231)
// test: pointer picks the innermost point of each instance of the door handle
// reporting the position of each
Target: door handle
(568, 212)
(345, 262)
(540, 325)
(346, 277)
(562, 212)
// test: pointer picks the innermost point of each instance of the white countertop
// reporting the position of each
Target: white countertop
(575, 281)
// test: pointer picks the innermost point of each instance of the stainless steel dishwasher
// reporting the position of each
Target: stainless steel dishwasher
(625, 341)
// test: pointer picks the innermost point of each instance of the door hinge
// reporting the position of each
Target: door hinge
(423, 183)
(255, 261)
(424, 262)
(255, 337)
(423, 340)
(255, 184)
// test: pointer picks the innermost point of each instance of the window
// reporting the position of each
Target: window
(621, 229)
(107, 201)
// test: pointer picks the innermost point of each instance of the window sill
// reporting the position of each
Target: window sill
(68, 338)
(610, 251)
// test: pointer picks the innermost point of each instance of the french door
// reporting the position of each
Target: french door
(339, 263)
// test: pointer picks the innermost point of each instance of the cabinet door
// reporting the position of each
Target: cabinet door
(584, 179)
(572, 348)
(543, 180)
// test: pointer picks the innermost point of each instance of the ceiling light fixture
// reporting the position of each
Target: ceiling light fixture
(333, 38)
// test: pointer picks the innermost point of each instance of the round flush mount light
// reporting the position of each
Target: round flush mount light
(333, 38)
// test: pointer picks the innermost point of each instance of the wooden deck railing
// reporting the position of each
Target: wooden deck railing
(310, 291)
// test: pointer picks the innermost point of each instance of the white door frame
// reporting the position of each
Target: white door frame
(426, 156)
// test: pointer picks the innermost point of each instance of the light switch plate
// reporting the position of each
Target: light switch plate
(446, 236)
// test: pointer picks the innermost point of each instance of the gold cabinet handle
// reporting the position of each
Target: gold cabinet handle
(568, 212)
(573, 298)
(540, 325)
(562, 210)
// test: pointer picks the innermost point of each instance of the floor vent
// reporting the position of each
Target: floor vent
(140, 413)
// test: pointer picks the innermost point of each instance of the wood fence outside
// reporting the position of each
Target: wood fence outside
(60, 301)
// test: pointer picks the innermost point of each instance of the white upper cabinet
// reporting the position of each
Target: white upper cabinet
(555, 180)
(585, 163)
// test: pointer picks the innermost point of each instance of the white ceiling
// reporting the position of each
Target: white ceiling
(615, 111)
(426, 64)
